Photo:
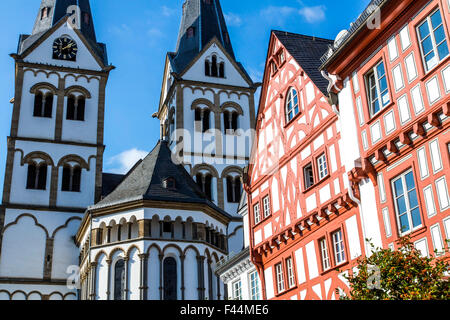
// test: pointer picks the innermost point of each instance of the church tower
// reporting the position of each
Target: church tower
(55, 151)
(207, 108)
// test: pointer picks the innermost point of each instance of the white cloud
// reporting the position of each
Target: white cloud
(233, 20)
(313, 14)
(167, 12)
(124, 161)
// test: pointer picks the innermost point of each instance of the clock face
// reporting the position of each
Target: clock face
(65, 48)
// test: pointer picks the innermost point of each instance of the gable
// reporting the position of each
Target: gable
(234, 75)
(43, 52)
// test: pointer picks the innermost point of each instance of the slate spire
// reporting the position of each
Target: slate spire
(202, 20)
(52, 11)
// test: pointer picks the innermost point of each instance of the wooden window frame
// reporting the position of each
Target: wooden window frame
(373, 70)
(322, 151)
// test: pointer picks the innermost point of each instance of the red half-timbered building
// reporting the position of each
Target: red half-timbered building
(390, 83)
(304, 225)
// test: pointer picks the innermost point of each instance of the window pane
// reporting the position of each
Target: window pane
(413, 203)
(404, 224)
(401, 205)
(380, 70)
(398, 188)
(439, 34)
(430, 60)
(427, 45)
(416, 220)
(443, 50)
(436, 19)
(410, 181)
(424, 31)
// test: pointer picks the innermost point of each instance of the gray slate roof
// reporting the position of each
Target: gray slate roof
(307, 51)
(208, 22)
(58, 11)
(145, 182)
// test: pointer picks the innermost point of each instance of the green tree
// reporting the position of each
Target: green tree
(400, 275)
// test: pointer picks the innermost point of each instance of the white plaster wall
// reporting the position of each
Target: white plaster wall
(369, 214)
(232, 76)
(235, 240)
(44, 52)
(30, 126)
(134, 275)
(191, 275)
(349, 133)
(23, 250)
(153, 275)
(102, 278)
(65, 252)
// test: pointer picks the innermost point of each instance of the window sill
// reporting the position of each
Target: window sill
(286, 291)
(263, 220)
(431, 72)
(316, 185)
(414, 232)
(288, 123)
(380, 113)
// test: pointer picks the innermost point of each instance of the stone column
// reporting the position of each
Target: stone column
(144, 277)
(94, 279)
(143, 228)
(182, 257)
(126, 289)
(220, 194)
(161, 296)
(108, 285)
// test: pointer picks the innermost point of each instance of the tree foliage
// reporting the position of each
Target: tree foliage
(400, 275)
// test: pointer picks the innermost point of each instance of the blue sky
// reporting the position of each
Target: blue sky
(138, 33)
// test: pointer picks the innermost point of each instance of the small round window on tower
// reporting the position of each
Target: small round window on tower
(169, 183)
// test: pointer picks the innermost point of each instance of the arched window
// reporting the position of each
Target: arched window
(292, 104)
(233, 189)
(230, 122)
(43, 104)
(37, 176)
(170, 279)
(76, 107)
(222, 70)
(119, 280)
(204, 181)
(214, 71)
(207, 68)
(202, 119)
(71, 180)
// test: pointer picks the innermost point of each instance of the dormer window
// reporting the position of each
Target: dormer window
(44, 12)
(274, 67)
(214, 68)
(190, 32)
(169, 183)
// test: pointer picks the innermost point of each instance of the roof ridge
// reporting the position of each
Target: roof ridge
(302, 35)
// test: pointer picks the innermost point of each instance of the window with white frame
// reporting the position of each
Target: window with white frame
(290, 273)
(433, 41)
(292, 104)
(406, 202)
(237, 290)
(280, 277)
(339, 247)
(254, 286)
(266, 203)
(378, 91)
(324, 254)
(322, 166)
(257, 213)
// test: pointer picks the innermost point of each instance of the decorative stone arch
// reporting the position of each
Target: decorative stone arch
(73, 158)
(99, 254)
(43, 85)
(231, 169)
(16, 292)
(34, 292)
(65, 225)
(76, 77)
(131, 248)
(69, 294)
(47, 74)
(232, 105)
(77, 89)
(191, 247)
(207, 167)
(172, 245)
(22, 216)
(7, 292)
(216, 257)
(37, 155)
(203, 90)
(115, 250)
(56, 293)
(209, 104)
(235, 231)
(230, 92)
(154, 245)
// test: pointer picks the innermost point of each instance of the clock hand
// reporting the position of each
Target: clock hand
(68, 46)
